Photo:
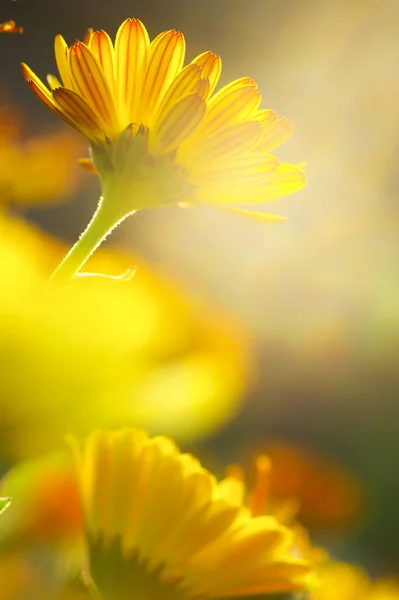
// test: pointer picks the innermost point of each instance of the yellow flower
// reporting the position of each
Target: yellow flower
(349, 582)
(158, 132)
(106, 351)
(160, 526)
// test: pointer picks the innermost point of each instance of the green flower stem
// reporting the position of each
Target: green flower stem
(104, 220)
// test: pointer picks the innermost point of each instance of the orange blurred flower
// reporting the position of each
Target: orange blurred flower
(38, 169)
(10, 27)
(327, 495)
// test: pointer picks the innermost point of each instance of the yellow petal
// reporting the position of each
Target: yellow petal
(239, 185)
(78, 111)
(131, 50)
(53, 82)
(101, 46)
(274, 135)
(234, 102)
(181, 86)
(89, 81)
(61, 57)
(87, 36)
(287, 180)
(178, 123)
(44, 94)
(265, 116)
(211, 65)
(165, 61)
(254, 216)
(223, 145)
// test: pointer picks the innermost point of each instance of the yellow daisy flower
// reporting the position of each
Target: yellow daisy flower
(219, 143)
(160, 526)
(158, 133)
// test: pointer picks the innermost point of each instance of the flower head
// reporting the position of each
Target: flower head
(159, 525)
(157, 130)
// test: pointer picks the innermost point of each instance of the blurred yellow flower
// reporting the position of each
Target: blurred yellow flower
(106, 352)
(159, 135)
(36, 169)
(348, 582)
(159, 525)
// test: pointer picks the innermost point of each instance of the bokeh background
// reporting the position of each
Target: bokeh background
(319, 293)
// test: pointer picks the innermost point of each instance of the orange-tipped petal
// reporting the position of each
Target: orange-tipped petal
(131, 55)
(89, 81)
(211, 65)
(165, 61)
(177, 123)
(101, 46)
(87, 36)
(77, 109)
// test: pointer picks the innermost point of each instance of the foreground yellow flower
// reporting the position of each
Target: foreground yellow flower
(159, 134)
(160, 526)
(105, 351)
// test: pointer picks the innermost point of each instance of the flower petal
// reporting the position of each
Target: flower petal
(53, 82)
(222, 145)
(78, 111)
(211, 65)
(131, 53)
(240, 176)
(165, 61)
(61, 56)
(101, 46)
(182, 85)
(286, 179)
(274, 135)
(89, 81)
(265, 116)
(254, 216)
(178, 123)
(235, 102)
